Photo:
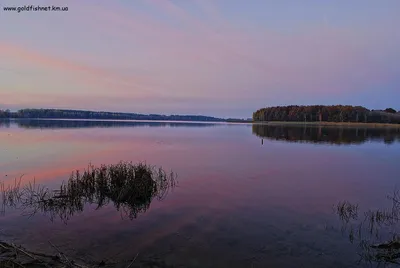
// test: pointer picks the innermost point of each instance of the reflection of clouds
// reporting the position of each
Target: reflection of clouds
(223, 173)
(219, 151)
(186, 150)
(46, 170)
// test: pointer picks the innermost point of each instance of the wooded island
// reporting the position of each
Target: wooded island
(321, 113)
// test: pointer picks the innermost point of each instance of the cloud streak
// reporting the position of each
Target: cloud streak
(92, 76)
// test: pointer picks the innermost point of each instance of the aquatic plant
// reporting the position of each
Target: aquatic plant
(377, 234)
(130, 187)
(10, 195)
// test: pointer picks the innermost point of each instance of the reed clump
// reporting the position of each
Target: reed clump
(377, 233)
(347, 211)
(130, 187)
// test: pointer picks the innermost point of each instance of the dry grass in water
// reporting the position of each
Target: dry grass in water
(130, 187)
(377, 234)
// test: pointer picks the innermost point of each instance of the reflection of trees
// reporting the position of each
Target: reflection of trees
(331, 135)
(4, 123)
(131, 188)
(55, 124)
(376, 234)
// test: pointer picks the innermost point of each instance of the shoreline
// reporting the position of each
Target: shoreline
(328, 124)
(280, 123)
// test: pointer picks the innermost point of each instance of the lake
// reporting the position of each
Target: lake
(247, 196)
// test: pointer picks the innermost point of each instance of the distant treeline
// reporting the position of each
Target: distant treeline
(62, 123)
(334, 113)
(326, 134)
(78, 114)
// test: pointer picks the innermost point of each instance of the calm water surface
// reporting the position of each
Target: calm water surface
(248, 196)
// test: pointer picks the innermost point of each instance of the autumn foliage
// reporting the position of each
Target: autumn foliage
(334, 113)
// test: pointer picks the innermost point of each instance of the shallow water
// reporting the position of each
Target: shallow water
(248, 196)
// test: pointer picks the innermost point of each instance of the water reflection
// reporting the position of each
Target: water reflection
(326, 134)
(64, 123)
(4, 123)
(376, 235)
(131, 188)
(238, 204)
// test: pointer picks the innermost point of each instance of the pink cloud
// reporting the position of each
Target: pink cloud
(20, 53)
(92, 76)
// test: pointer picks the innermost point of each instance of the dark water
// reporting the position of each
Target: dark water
(248, 196)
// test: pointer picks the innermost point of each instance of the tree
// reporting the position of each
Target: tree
(390, 110)
(333, 113)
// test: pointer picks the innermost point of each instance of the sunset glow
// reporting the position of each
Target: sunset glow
(220, 58)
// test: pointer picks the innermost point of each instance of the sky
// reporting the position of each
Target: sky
(224, 58)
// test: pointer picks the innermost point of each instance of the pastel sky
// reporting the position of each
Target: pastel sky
(214, 57)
